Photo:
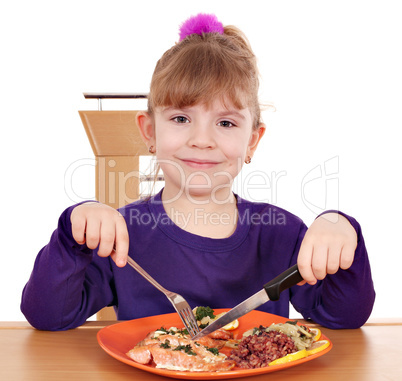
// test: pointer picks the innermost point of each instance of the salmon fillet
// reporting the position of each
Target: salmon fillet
(176, 351)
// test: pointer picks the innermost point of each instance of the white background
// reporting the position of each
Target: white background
(331, 68)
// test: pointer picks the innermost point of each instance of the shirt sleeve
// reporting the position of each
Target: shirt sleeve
(341, 300)
(68, 283)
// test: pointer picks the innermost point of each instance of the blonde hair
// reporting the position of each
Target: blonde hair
(202, 68)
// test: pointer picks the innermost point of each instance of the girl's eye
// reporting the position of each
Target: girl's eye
(226, 123)
(180, 119)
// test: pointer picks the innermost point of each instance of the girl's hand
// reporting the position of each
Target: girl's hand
(100, 225)
(329, 244)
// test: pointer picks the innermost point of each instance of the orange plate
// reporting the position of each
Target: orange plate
(118, 339)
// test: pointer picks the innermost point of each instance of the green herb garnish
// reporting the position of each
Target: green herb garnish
(165, 345)
(163, 329)
(183, 331)
(202, 312)
(186, 348)
(215, 351)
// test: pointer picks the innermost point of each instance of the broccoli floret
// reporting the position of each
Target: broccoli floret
(202, 312)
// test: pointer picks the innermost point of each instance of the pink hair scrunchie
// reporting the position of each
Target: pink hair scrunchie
(199, 24)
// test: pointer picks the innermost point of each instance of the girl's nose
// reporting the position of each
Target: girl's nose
(201, 137)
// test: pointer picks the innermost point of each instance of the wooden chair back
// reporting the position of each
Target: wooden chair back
(117, 146)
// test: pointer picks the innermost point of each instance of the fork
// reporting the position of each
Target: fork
(179, 303)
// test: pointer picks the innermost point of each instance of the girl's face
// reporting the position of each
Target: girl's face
(201, 150)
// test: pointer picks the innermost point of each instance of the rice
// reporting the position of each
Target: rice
(258, 350)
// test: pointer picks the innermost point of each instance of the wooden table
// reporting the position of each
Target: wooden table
(372, 353)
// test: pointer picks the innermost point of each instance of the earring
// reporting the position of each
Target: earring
(248, 160)
(151, 149)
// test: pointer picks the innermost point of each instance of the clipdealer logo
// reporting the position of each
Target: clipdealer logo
(319, 187)
(269, 217)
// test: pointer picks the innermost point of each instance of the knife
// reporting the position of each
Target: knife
(270, 291)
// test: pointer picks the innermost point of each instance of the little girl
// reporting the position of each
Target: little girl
(196, 237)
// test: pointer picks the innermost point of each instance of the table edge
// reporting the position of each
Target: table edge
(103, 323)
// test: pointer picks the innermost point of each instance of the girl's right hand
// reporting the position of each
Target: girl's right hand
(100, 225)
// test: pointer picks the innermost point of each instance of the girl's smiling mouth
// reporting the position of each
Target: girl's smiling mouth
(199, 163)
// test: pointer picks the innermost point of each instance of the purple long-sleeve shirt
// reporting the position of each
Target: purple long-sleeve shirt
(69, 282)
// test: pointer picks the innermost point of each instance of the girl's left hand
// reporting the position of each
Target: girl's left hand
(329, 244)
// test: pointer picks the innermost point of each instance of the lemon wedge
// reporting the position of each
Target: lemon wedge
(316, 333)
(231, 326)
(290, 357)
(317, 346)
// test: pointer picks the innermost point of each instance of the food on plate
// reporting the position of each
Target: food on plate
(231, 326)
(206, 315)
(317, 346)
(259, 347)
(300, 334)
(276, 344)
(173, 349)
(291, 357)
(316, 333)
